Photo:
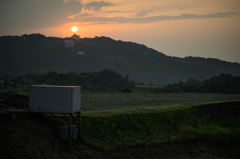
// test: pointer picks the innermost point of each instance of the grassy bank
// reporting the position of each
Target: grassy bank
(116, 129)
(148, 125)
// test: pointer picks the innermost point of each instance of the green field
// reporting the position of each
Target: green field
(103, 101)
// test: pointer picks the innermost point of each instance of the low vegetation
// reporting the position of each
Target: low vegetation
(111, 129)
(115, 129)
(147, 127)
(107, 101)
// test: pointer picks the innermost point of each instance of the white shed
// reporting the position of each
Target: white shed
(55, 99)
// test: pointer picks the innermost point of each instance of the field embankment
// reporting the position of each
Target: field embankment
(115, 129)
(213, 127)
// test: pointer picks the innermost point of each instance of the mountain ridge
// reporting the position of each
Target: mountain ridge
(36, 53)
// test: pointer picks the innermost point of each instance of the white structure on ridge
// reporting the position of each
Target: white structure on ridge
(80, 53)
(75, 37)
(68, 43)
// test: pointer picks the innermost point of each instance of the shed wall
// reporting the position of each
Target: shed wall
(54, 99)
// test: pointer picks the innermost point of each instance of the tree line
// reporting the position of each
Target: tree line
(111, 81)
(224, 83)
(104, 81)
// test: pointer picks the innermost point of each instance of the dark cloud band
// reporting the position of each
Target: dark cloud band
(152, 18)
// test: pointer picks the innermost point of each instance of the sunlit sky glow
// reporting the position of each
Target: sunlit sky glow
(203, 28)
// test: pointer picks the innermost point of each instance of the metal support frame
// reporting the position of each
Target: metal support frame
(71, 119)
(76, 121)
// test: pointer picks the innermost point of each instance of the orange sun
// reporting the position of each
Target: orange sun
(74, 29)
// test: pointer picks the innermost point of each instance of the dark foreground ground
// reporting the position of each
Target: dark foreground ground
(28, 137)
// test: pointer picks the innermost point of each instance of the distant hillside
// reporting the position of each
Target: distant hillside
(36, 53)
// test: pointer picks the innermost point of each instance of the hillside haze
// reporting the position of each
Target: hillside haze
(36, 53)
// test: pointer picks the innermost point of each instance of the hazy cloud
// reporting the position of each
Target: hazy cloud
(83, 15)
(96, 5)
(153, 18)
(143, 13)
(36, 14)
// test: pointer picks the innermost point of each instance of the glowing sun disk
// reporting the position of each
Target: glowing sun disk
(74, 29)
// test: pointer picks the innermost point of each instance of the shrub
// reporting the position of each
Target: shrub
(125, 90)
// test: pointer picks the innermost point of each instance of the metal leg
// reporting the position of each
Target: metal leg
(70, 133)
(79, 122)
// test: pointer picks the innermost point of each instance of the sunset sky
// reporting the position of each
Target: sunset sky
(203, 28)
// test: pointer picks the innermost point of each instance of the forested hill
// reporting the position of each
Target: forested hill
(36, 53)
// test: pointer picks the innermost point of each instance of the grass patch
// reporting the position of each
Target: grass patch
(17, 100)
(13, 96)
(113, 129)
